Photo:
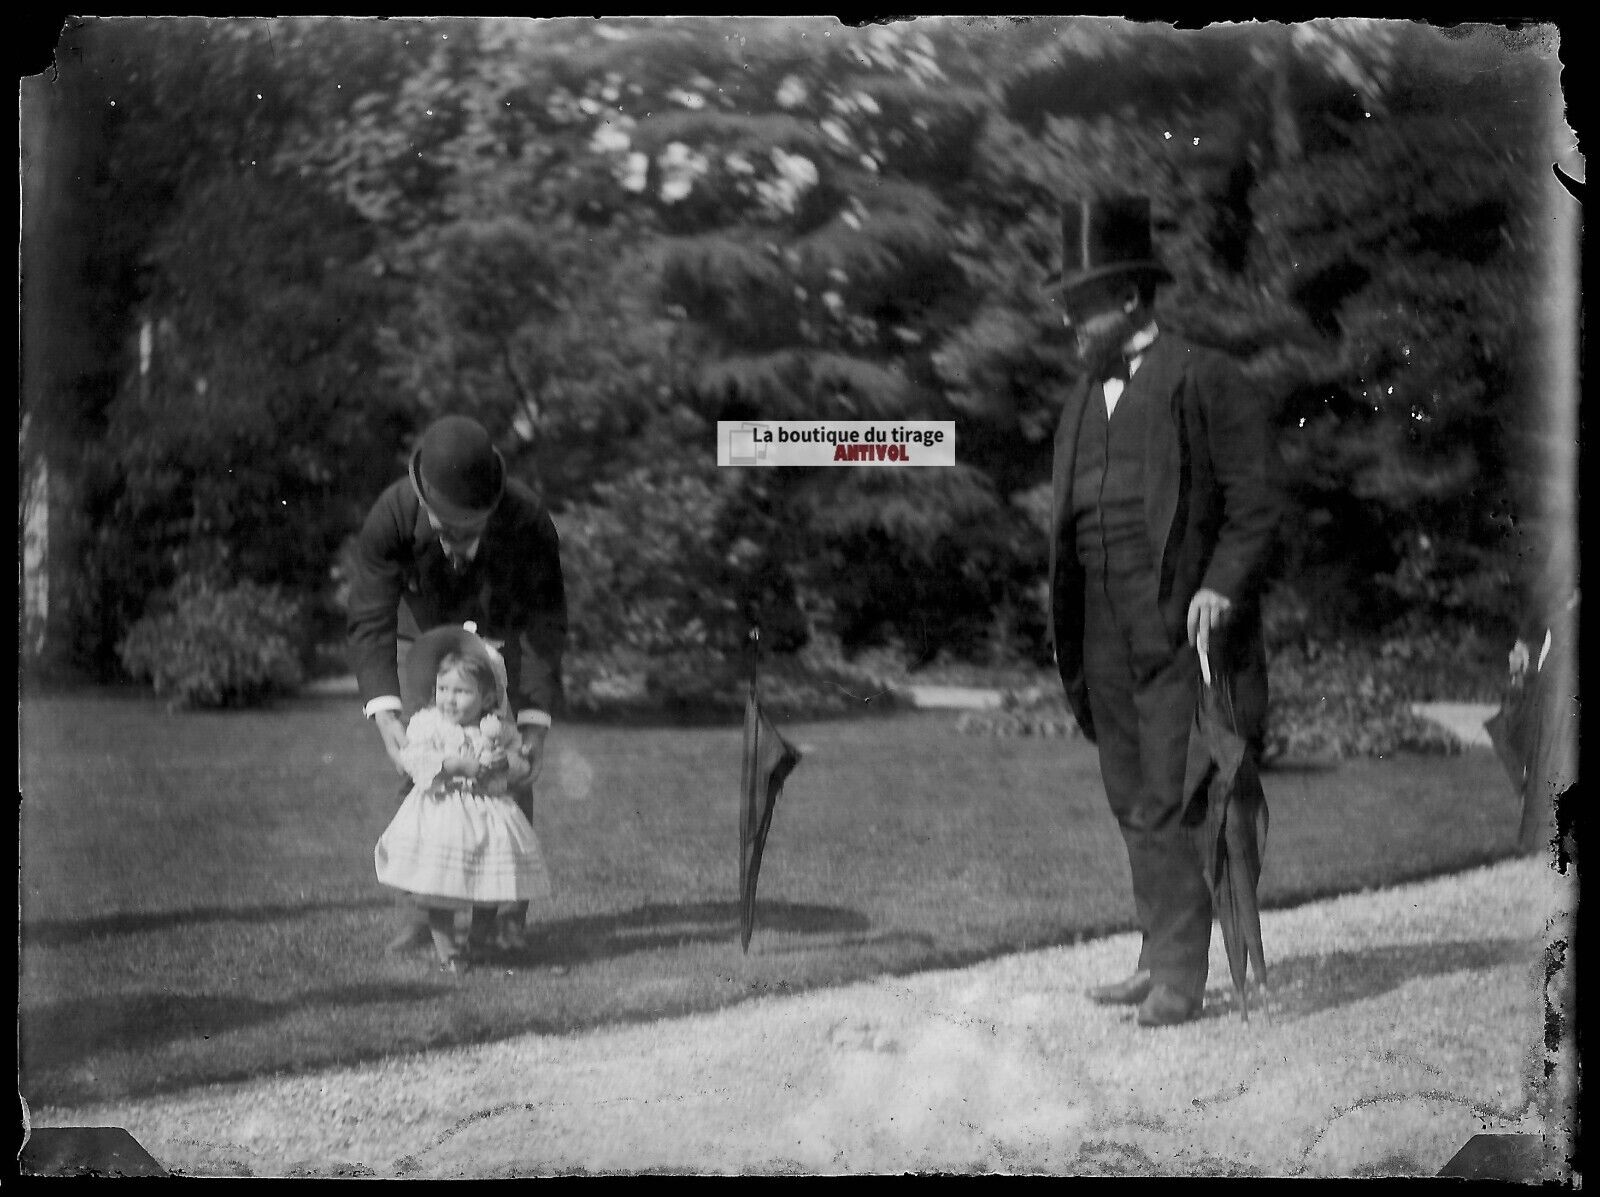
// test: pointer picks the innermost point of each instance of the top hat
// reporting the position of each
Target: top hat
(1102, 237)
(456, 471)
(422, 661)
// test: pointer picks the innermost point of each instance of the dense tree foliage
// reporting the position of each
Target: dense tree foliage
(298, 239)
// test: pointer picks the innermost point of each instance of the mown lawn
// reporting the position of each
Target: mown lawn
(198, 898)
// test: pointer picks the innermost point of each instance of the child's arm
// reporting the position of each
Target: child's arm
(426, 755)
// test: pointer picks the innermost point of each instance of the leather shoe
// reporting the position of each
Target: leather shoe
(1165, 1007)
(1129, 991)
(510, 938)
(410, 940)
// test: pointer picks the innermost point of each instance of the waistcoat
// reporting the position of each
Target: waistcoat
(1108, 483)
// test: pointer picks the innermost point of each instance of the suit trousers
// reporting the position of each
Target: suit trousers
(1143, 691)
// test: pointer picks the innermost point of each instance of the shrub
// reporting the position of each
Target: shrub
(1339, 699)
(701, 685)
(1328, 698)
(639, 564)
(1029, 710)
(206, 645)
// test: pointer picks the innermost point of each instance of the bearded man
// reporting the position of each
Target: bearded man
(1163, 517)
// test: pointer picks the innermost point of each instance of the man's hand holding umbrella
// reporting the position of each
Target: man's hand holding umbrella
(1208, 615)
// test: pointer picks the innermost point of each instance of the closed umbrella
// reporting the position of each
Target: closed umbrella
(768, 761)
(1229, 811)
(1535, 731)
(1511, 731)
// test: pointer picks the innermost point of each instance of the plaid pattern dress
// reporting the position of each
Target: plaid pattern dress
(456, 842)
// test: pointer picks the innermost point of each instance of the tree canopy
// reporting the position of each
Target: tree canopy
(260, 254)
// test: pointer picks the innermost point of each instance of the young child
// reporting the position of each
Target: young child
(458, 840)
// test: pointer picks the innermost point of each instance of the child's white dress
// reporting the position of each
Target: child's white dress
(454, 841)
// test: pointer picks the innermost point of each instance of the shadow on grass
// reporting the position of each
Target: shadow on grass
(1299, 986)
(56, 933)
(1300, 764)
(680, 924)
(919, 942)
(58, 1034)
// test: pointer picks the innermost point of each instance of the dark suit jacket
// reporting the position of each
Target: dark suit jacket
(402, 586)
(1211, 511)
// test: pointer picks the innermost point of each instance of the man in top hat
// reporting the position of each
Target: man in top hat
(457, 541)
(1162, 519)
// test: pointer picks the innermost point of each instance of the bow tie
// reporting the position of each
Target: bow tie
(1115, 367)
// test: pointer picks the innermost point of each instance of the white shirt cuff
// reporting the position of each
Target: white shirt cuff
(385, 702)
(536, 718)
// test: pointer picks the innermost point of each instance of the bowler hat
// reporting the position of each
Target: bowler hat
(422, 661)
(1102, 237)
(456, 471)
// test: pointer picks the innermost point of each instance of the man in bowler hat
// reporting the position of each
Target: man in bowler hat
(457, 541)
(1162, 519)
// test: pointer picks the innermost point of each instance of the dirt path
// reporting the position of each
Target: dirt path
(1399, 1024)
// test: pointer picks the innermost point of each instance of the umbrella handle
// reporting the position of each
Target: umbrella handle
(754, 636)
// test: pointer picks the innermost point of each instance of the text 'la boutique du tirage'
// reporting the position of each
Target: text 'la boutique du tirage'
(836, 442)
